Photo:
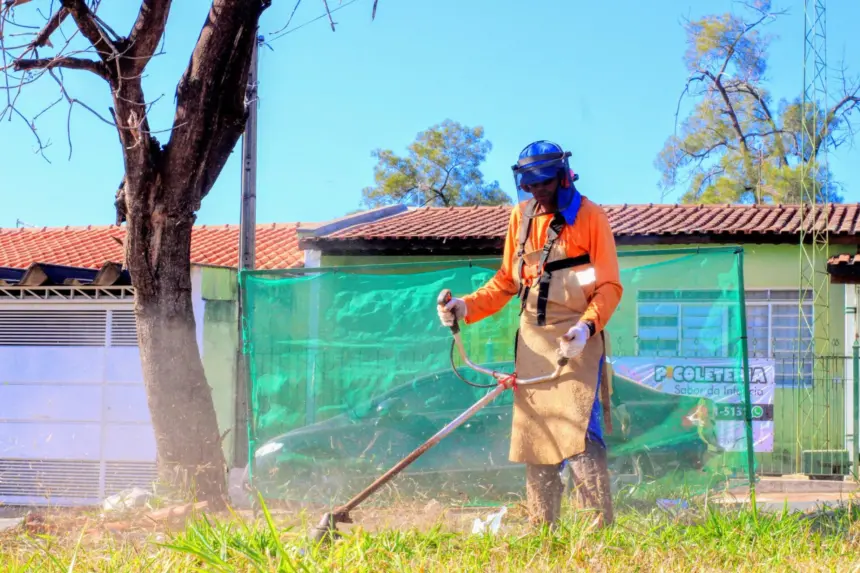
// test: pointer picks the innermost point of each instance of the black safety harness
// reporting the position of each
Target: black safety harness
(544, 269)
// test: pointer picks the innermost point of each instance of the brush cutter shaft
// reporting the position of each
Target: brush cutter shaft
(435, 439)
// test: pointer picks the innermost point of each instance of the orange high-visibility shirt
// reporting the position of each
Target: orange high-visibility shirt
(589, 234)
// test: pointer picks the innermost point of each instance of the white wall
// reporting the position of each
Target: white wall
(198, 304)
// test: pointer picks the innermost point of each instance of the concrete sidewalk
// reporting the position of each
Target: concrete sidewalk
(797, 493)
(10, 522)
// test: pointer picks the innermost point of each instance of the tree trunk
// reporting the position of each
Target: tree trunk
(180, 400)
(164, 186)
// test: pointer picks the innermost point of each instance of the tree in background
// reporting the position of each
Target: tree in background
(163, 186)
(737, 145)
(442, 169)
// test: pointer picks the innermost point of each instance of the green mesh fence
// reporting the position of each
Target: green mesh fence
(351, 370)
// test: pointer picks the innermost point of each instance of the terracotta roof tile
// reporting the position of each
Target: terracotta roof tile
(453, 222)
(90, 247)
(844, 260)
(844, 268)
(626, 221)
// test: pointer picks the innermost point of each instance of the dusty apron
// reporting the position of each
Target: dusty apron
(550, 420)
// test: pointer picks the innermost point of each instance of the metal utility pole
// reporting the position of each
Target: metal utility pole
(248, 221)
(247, 253)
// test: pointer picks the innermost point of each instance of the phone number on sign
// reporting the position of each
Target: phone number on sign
(760, 412)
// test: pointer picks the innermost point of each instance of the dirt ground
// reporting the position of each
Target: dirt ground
(93, 524)
(422, 515)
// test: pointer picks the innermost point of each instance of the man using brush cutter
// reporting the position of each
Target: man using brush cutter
(560, 260)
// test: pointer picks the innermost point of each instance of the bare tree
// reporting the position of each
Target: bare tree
(163, 186)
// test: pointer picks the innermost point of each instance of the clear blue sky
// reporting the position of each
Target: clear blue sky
(601, 78)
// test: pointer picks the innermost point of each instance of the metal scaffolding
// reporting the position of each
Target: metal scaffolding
(813, 336)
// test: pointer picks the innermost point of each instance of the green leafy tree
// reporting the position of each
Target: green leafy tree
(737, 145)
(441, 169)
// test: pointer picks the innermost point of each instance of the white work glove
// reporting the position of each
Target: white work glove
(456, 307)
(573, 342)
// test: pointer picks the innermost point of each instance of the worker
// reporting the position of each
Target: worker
(560, 260)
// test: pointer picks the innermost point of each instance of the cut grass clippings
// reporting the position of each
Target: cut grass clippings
(697, 539)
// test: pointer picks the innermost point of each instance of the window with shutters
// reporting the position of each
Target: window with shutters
(123, 328)
(52, 327)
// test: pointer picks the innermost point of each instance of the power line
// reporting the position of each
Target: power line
(320, 17)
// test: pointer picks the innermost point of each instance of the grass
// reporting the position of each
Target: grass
(698, 539)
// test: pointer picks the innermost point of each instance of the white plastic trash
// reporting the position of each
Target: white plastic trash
(492, 523)
(127, 499)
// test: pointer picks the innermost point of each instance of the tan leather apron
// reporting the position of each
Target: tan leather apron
(550, 420)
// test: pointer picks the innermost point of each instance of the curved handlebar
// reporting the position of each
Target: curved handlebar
(445, 297)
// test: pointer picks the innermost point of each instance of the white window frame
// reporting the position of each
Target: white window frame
(769, 304)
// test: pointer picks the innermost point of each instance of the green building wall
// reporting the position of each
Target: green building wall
(220, 348)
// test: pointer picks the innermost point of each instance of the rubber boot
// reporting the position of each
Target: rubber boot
(591, 485)
(544, 489)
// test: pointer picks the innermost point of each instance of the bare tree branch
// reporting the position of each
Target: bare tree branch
(290, 19)
(47, 109)
(703, 154)
(404, 194)
(850, 101)
(91, 30)
(43, 38)
(69, 63)
(147, 32)
(749, 89)
(709, 177)
(686, 90)
(441, 191)
(730, 110)
(763, 134)
(210, 97)
(327, 11)
(31, 125)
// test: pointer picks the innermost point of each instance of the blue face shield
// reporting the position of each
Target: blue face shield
(543, 161)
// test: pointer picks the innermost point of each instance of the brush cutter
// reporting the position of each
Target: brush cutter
(504, 381)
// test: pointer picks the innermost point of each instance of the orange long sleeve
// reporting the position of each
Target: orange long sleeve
(604, 257)
(493, 296)
(590, 234)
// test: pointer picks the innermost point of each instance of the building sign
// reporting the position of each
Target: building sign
(719, 380)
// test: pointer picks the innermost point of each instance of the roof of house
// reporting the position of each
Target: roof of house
(46, 274)
(477, 229)
(845, 259)
(844, 268)
(90, 247)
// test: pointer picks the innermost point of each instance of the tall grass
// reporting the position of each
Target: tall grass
(697, 539)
